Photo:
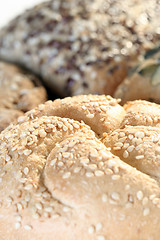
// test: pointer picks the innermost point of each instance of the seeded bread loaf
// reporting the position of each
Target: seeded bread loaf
(82, 46)
(19, 92)
(144, 81)
(65, 179)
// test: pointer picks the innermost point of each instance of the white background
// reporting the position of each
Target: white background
(11, 8)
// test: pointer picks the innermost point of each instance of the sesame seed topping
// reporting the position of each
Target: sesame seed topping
(89, 174)
(125, 154)
(27, 227)
(146, 212)
(115, 177)
(91, 229)
(139, 157)
(38, 206)
(100, 237)
(140, 195)
(104, 197)
(26, 170)
(66, 175)
(115, 196)
(98, 173)
(98, 226)
(17, 225)
(145, 201)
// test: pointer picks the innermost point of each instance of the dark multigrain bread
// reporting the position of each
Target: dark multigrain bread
(82, 46)
(60, 179)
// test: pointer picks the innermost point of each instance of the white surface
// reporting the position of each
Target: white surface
(11, 8)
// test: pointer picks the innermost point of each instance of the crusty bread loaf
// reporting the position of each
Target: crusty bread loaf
(144, 81)
(60, 180)
(19, 92)
(82, 46)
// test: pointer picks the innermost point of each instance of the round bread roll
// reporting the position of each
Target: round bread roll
(19, 92)
(144, 82)
(82, 46)
(59, 180)
(7, 116)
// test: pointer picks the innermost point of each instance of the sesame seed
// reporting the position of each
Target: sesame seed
(139, 157)
(26, 170)
(121, 134)
(7, 158)
(90, 116)
(27, 152)
(42, 133)
(38, 206)
(17, 225)
(145, 201)
(115, 196)
(92, 166)
(146, 212)
(28, 187)
(115, 177)
(48, 209)
(104, 197)
(130, 148)
(66, 175)
(125, 154)
(77, 169)
(98, 226)
(19, 207)
(66, 209)
(139, 134)
(52, 163)
(98, 173)
(89, 174)
(100, 237)
(130, 136)
(139, 195)
(91, 230)
(27, 227)
(119, 144)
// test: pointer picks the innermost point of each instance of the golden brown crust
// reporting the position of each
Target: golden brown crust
(102, 113)
(58, 178)
(19, 92)
(7, 116)
(141, 113)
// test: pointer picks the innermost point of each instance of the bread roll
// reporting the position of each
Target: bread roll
(82, 46)
(19, 92)
(144, 82)
(59, 180)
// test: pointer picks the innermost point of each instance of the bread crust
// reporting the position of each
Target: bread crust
(59, 178)
(19, 93)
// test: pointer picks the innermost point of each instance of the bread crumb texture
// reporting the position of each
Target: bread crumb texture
(67, 175)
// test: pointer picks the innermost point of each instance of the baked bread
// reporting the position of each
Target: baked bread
(144, 81)
(19, 92)
(59, 180)
(82, 46)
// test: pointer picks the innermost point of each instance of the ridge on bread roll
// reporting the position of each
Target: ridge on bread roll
(19, 93)
(82, 46)
(60, 180)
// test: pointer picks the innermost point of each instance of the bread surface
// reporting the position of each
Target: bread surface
(71, 177)
(19, 93)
